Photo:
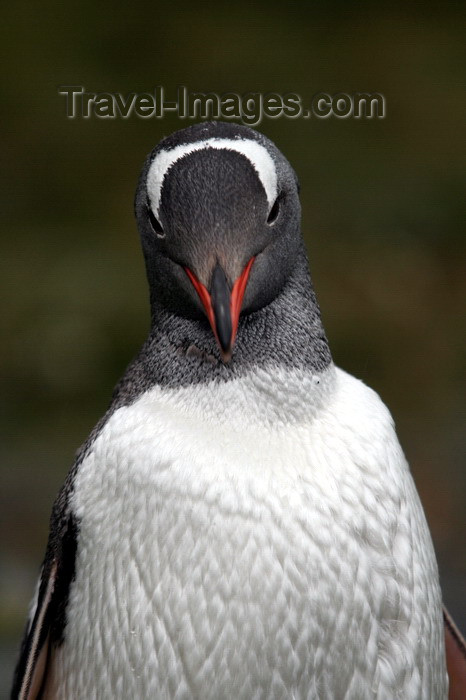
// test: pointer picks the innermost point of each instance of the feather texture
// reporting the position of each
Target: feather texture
(275, 551)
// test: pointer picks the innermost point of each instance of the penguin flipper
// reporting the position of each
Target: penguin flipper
(32, 664)
(47, 619)
(455, 647)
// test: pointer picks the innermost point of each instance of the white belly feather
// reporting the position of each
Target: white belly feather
(270, 552)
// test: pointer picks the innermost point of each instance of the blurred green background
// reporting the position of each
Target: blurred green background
(382, 216)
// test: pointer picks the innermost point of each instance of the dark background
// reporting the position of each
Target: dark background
(381, 214)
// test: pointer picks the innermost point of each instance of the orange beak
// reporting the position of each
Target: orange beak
(222, 307)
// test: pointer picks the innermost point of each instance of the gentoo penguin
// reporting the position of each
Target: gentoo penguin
(242, 522)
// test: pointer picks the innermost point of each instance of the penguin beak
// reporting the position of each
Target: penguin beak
(222, 304)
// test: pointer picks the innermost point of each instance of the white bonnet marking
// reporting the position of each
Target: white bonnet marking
(257, 154)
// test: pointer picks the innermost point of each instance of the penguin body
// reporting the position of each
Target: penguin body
(242, 523)
(260, 553)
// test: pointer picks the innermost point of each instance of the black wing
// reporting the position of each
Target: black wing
(47, 619)
(456, 658)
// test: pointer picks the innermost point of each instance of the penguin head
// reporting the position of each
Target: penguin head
(218, 212)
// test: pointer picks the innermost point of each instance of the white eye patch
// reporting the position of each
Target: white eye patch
(258, 155)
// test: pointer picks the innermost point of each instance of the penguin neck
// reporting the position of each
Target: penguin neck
(281, 353)
(287, 333)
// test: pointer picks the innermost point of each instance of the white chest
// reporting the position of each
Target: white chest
(226, 559)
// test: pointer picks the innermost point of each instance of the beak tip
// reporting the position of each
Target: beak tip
(226, 356)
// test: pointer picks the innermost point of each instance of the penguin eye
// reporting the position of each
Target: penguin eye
(155, 223)
(274, 212)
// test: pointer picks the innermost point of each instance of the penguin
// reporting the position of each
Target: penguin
(242, 522)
